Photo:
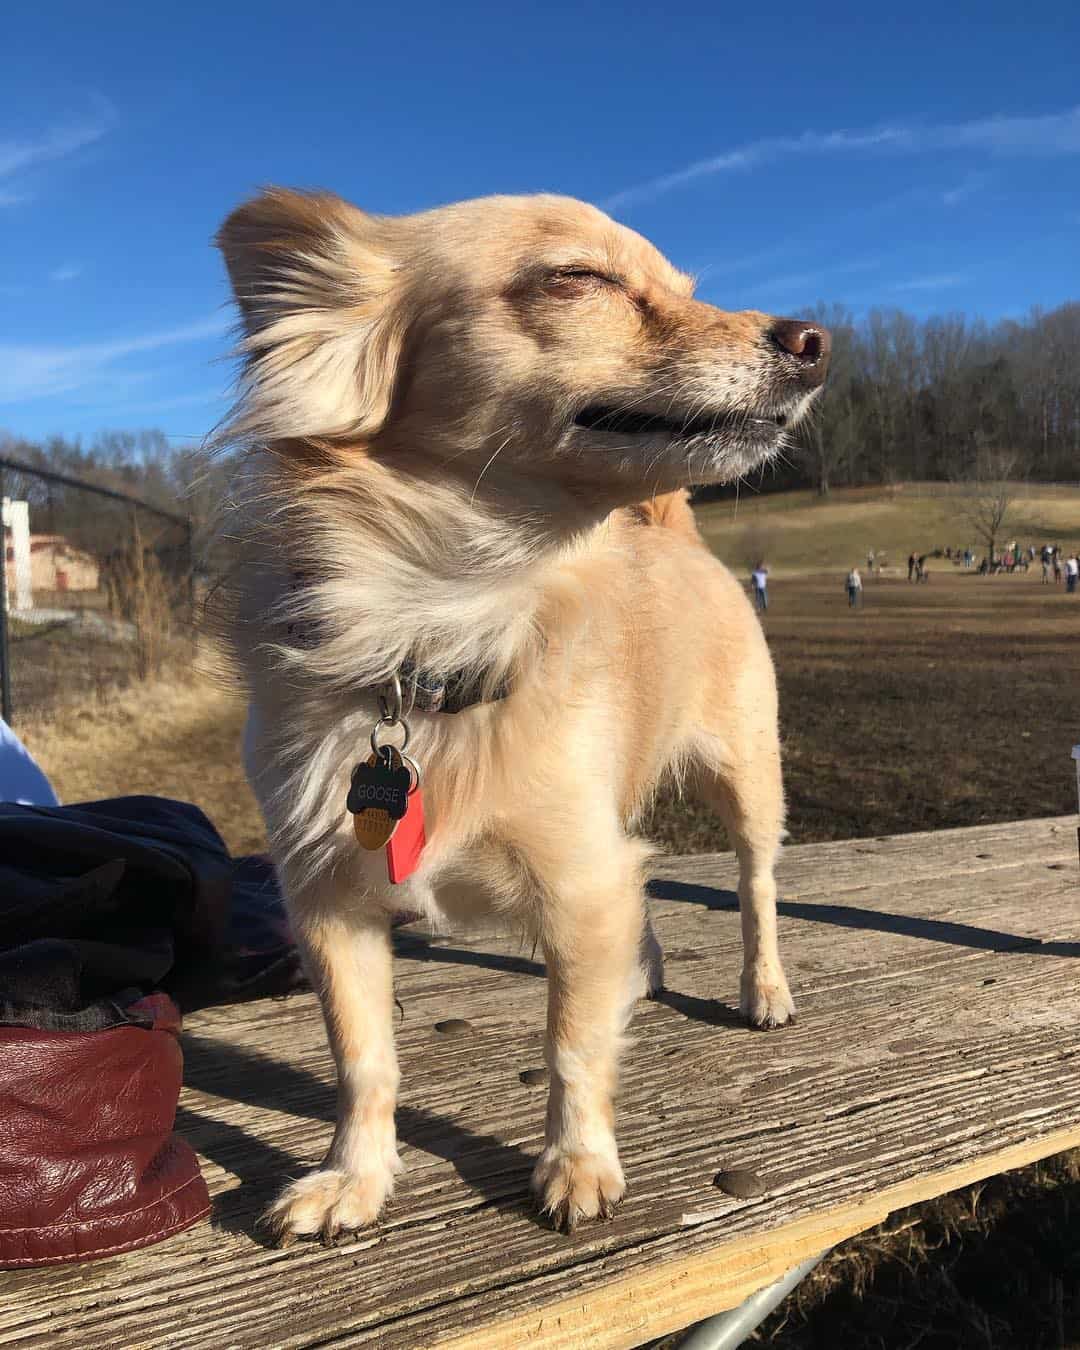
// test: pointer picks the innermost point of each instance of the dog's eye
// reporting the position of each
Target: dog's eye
(570, 282)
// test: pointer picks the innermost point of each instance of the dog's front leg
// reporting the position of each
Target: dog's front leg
(593, 925)
(347, 954)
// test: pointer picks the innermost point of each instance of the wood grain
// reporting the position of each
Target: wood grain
(938, 1041)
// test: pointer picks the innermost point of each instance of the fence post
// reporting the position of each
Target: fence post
(5, 663)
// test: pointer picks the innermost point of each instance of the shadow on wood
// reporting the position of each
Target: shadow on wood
(876, 920)
(497, 1171)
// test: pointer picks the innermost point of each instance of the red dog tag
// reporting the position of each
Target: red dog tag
(404, 849)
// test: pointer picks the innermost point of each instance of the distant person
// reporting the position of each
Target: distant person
(1057, 562)
(911, 564)
(969, 558)
(1045, 568)
(1072, 572)
(854, 588)
(759, 579)
(869, 562)
(921, 574)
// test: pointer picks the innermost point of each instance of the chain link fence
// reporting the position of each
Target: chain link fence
(98, 589)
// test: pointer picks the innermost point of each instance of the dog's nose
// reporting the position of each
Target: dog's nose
(808, 343)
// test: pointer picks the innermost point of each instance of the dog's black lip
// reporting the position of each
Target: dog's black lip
(619, 421)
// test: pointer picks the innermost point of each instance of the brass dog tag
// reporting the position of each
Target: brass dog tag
(378, 798)
(373, 829)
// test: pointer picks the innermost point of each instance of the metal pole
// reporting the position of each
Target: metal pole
(729, 1329)
(5, 662)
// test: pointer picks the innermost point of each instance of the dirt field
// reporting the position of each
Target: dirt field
(933, 706)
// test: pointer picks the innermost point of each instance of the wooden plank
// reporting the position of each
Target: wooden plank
(937, 1044)
(668, 1296)
(843, 865)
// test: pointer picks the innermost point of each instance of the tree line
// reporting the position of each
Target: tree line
(910, 399)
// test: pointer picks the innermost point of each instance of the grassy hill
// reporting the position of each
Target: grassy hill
(799, 532)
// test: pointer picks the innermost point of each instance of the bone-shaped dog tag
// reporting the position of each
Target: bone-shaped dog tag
(378, 798)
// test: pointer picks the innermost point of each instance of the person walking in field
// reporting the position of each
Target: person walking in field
(869, 562)
(1072, 572)
(759, 579)
(1057, 562)
(854, 589)
(911, 562)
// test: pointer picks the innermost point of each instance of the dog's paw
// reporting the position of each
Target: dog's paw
(765, 1000)
(573, 1185)
(329, 1203)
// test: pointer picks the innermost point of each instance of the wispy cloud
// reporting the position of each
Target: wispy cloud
(743, 262)
(969, 184)
(22, 155)
(805, 282)
(68, 272)
(30, 372)
(1052, 134)
(937, 281)
(201, 399)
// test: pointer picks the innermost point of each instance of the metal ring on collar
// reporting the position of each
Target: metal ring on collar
(377, 747)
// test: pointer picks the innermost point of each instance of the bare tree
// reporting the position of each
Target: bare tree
(991, 488)
(831, 437)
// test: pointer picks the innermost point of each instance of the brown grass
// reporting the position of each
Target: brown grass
(802, 533)
(177, 736)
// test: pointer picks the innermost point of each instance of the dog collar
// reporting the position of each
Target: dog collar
(426, 691)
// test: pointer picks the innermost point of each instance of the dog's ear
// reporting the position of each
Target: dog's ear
(318, 286)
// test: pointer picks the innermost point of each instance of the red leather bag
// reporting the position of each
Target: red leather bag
(89, 1164)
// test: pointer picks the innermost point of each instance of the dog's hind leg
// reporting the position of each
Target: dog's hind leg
(742, 783)
(347, 953)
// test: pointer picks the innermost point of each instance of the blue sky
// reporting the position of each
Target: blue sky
(927, 158)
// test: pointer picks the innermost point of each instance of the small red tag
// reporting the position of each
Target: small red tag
(404, 849)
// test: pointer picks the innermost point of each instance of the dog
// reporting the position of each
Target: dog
(467, 437)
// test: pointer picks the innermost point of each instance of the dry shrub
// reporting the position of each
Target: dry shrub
(140, 594)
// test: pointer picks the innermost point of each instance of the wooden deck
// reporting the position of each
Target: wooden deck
(939, 995)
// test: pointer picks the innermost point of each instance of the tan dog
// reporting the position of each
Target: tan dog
(452, 419)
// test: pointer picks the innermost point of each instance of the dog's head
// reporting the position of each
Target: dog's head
(532, 331)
